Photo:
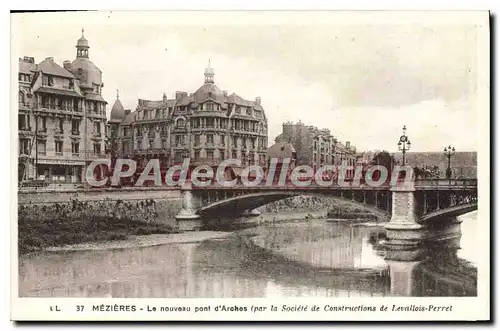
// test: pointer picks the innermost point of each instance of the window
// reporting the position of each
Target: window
(75, 148)
(97, 128)
(209, 106)
(24, 147)
(197, 140)
(235, 155)
(249, 111)
(22, 100)
(222, 155)
(235, 141)
(210, 155)
(59, 147)
(42, 145)
(22, 122)
(42, 124)
(197, 155)
(45, 80)
(124, 147)
(238, 110)
(210, 122)
(125, 132)
(51, 81)
(210, 138)
(60, 125)
(97, 148)
(252, 146)
(180, 123)
(223, 140)
(178, 140)
(75, 127)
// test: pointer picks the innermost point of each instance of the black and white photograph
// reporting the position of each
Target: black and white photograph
(320, 164)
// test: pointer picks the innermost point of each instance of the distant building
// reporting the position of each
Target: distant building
(61, 117)
(317, 147)
(207, 126)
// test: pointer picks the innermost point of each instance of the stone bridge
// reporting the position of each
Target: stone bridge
(420, 210)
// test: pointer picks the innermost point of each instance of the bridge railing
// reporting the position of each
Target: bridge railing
(443, 182)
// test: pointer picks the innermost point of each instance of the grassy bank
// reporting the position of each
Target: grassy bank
(48, 226)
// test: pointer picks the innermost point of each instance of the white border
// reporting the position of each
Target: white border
(484, 124)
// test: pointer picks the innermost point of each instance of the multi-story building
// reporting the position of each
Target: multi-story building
(61, 117)
(207, 126)
(317, 147)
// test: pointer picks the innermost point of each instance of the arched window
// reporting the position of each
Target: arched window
(180, 123)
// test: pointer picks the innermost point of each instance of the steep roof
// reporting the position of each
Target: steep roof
(48, 66)
(117, 111)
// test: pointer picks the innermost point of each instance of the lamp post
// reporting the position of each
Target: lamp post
(449, 152)
(404, 144)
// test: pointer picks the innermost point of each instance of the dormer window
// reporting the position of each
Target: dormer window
(210, 106)
(249, 111)
(80, 71)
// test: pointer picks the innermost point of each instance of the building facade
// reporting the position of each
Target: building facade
(61, 117)
(207, 126)
(317, 147)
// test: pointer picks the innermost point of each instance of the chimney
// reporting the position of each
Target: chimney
(164, 97)
(257, 100)
(224, 93)
(67, 65)
(140, 102)
(178, 95)
(29, 59)
(347, 144)
(49, 58)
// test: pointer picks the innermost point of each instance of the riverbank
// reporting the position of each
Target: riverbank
(60, 225)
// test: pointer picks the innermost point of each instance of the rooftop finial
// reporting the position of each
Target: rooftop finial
(83, 31)
(117, 94)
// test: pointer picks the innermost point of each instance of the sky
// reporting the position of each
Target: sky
(362, 78)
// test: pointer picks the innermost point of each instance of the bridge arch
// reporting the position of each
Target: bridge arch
(237, 205)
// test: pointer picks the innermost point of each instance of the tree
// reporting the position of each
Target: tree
(385, 159)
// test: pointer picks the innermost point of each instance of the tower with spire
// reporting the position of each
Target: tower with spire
(82, 47)
(209, 74)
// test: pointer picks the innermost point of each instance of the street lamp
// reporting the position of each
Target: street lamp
(449, 152)
(404, 144)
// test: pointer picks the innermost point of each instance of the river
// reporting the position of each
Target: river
(306, 258)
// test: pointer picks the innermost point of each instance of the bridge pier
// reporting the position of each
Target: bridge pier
(403, 230)
(187, 219)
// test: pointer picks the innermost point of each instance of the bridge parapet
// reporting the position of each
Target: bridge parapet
(438, 183)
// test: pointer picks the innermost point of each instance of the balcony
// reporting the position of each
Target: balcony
(58, 133)
(59, 153)
(23, 106)
(42, 132)
(24, 153)
(25, 131)
(75, 134)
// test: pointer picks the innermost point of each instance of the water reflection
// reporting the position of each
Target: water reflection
(313, 258)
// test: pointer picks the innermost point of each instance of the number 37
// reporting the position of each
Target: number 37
(79, 308)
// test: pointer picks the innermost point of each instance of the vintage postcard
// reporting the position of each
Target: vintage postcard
(250, 166)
